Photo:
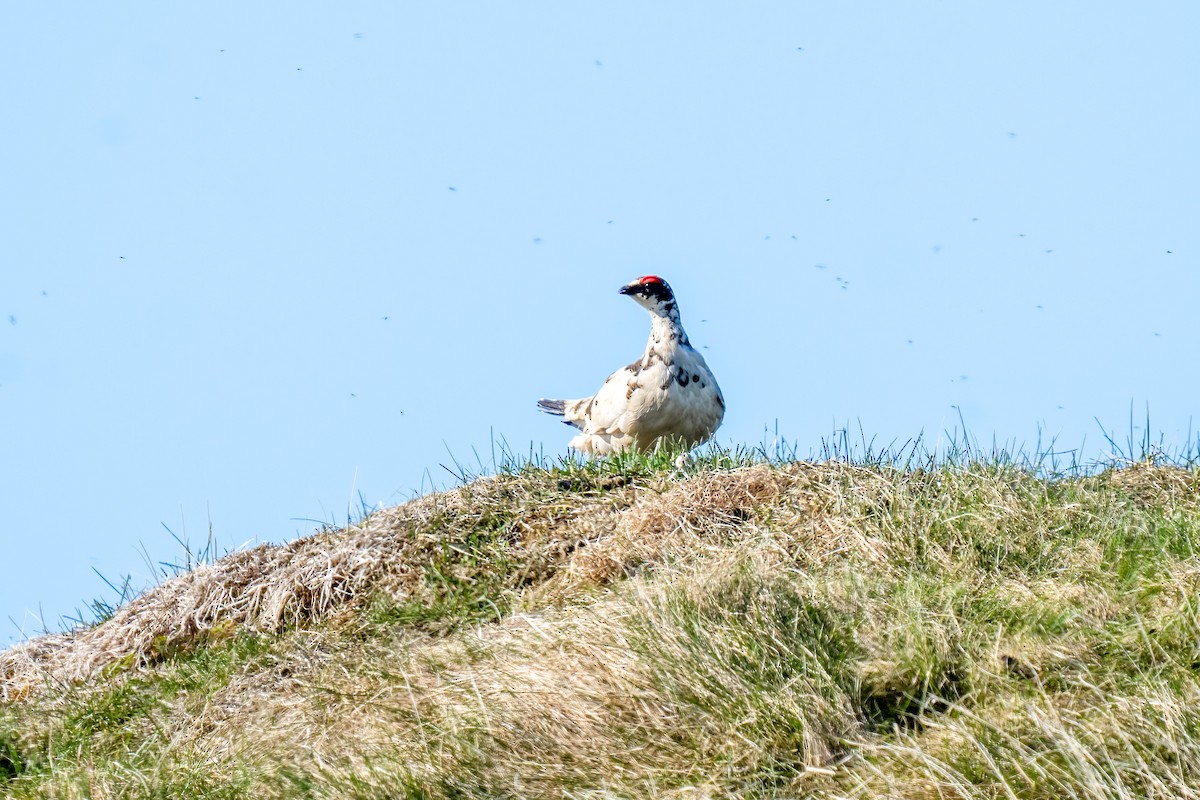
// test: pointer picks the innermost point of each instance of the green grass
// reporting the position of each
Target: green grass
(736, 625)
(125, 718)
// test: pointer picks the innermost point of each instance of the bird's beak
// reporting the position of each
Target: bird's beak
(628, 288)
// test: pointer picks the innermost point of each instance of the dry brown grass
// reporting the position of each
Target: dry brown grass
(563, 545)
(767, 631)
(270, 587)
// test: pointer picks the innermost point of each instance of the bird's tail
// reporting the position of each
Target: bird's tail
(556, 407)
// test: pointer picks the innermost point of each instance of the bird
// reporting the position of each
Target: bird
(667, 397)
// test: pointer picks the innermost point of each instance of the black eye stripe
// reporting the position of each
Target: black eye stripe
(659, 291)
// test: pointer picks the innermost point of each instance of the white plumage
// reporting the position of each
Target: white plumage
(669, 394)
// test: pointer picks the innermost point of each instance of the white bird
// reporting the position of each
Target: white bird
(667, 395)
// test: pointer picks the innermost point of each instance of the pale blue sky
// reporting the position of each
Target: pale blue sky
(258, 258)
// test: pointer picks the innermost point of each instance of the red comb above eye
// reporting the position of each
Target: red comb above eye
(650, 279)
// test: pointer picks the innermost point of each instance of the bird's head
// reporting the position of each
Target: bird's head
(653, 293)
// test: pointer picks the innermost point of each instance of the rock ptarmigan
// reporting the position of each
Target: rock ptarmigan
(667, 395)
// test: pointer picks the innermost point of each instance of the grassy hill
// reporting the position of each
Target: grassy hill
(630, 629)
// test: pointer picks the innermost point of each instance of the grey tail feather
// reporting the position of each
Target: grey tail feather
(553, 406)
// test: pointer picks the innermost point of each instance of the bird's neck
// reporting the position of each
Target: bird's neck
(665, 331)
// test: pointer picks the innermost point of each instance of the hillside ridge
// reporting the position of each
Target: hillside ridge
(265, 588)
(629, 629)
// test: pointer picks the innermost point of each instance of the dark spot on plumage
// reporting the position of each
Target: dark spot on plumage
(669, 306)
(696, 378)
(682, 378)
